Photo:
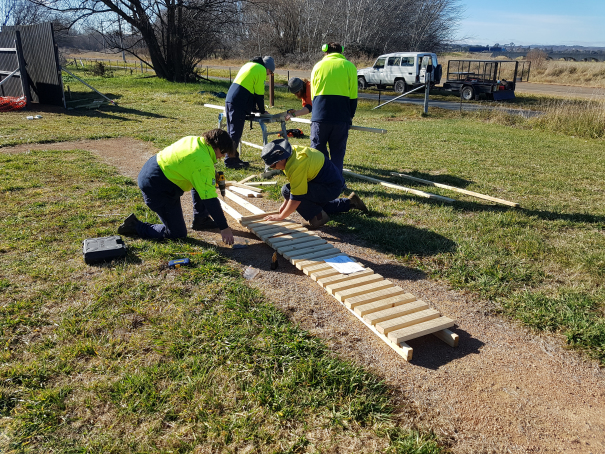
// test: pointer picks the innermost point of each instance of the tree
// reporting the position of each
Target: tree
(177, 34)
(21, 12)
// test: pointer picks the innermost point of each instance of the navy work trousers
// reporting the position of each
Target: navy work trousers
(319, 196)
(333, 134)
(164, 198)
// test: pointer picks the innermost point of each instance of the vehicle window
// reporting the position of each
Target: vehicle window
(393, 61)
(407, 61)
(379, 63)
(434, 61)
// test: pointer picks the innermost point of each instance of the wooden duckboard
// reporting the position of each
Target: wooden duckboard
(385, 308)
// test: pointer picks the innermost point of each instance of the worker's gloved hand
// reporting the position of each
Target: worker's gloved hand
(290, 113)
(227, 236)
(273, 217)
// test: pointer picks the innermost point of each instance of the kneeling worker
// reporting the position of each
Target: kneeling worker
(314, 184)
(187, 164)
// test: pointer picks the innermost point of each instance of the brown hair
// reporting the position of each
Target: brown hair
(220, 140)
(334, 47)
(301, 93)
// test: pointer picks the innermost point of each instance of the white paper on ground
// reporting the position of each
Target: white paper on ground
(344, 264)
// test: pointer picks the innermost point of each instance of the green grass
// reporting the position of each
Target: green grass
(135, 357)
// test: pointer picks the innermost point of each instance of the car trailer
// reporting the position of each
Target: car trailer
(492, 79)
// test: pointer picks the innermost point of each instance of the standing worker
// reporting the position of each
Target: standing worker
(334, 94)
(314, 184)
(187, 164)
(246, 95)
(301, 88)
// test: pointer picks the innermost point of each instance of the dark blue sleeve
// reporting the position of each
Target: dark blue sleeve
(259, 103)
(353, 107)
(214, 208)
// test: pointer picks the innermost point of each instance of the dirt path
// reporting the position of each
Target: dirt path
(502, 390)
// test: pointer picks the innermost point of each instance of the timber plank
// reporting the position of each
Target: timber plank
(268, 225)
(370, 297)
(344, 295)
(299, 241)
(385, 303)
(324, 281)
(322, 266)
(406, 320)
(352, 283)
(327, 271)
(447, 336)
(245, 192)
(293, 247)
(421, 329)
(285, 238)
(240, 185)
(245, 220)
(316, 255)
(230, 211)
(396, 311)
(310, 250)
(279, 229)
(243, 202)
(301, 264)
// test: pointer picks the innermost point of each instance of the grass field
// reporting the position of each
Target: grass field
(174, 365)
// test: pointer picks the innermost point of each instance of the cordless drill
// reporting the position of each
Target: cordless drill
(220, 182)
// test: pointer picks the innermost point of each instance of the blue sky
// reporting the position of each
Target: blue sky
(524, 22)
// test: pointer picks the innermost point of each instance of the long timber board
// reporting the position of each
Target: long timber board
(391, 313)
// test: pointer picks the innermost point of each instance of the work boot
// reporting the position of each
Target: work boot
(203, 223)
(236, 163)
(357, 203)
(317, 221)
(129, 226)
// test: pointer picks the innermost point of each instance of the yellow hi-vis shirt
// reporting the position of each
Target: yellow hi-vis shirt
(252, 77)
(304, 165)
(189, 163)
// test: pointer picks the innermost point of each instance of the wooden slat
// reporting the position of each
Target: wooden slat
(262, 183)
(228, 184)
(245, 192)
(325, 281)
(230, 211)
(384, 304)
(396, 311)
(314, 258)
(304, 252)
(353, 283)
(311, 270)
(454, 188)
(244, 203)
(351, 293)
(259, 227)
(421, 329)
(255, 217)
(447, 336)
(427, 195)
(352, 303)
(328, 271)
(266, 234)
(248, 178)
(407, 320)
(298, 241)
(283, 239)
(293, 247)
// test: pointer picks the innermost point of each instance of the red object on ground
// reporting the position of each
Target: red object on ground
(9, 103)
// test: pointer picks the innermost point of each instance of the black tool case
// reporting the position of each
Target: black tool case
(105, 249)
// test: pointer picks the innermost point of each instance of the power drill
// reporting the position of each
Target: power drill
(220, 182)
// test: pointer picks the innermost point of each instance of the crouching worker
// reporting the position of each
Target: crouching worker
(314, 184)
(187, 164)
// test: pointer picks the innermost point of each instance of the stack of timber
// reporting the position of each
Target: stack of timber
(394, 315)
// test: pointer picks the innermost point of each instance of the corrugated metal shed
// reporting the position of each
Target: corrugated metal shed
(41, 62)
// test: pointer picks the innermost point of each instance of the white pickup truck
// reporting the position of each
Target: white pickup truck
(401, 70)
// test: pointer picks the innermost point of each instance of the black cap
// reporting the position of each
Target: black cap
(275, 151)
